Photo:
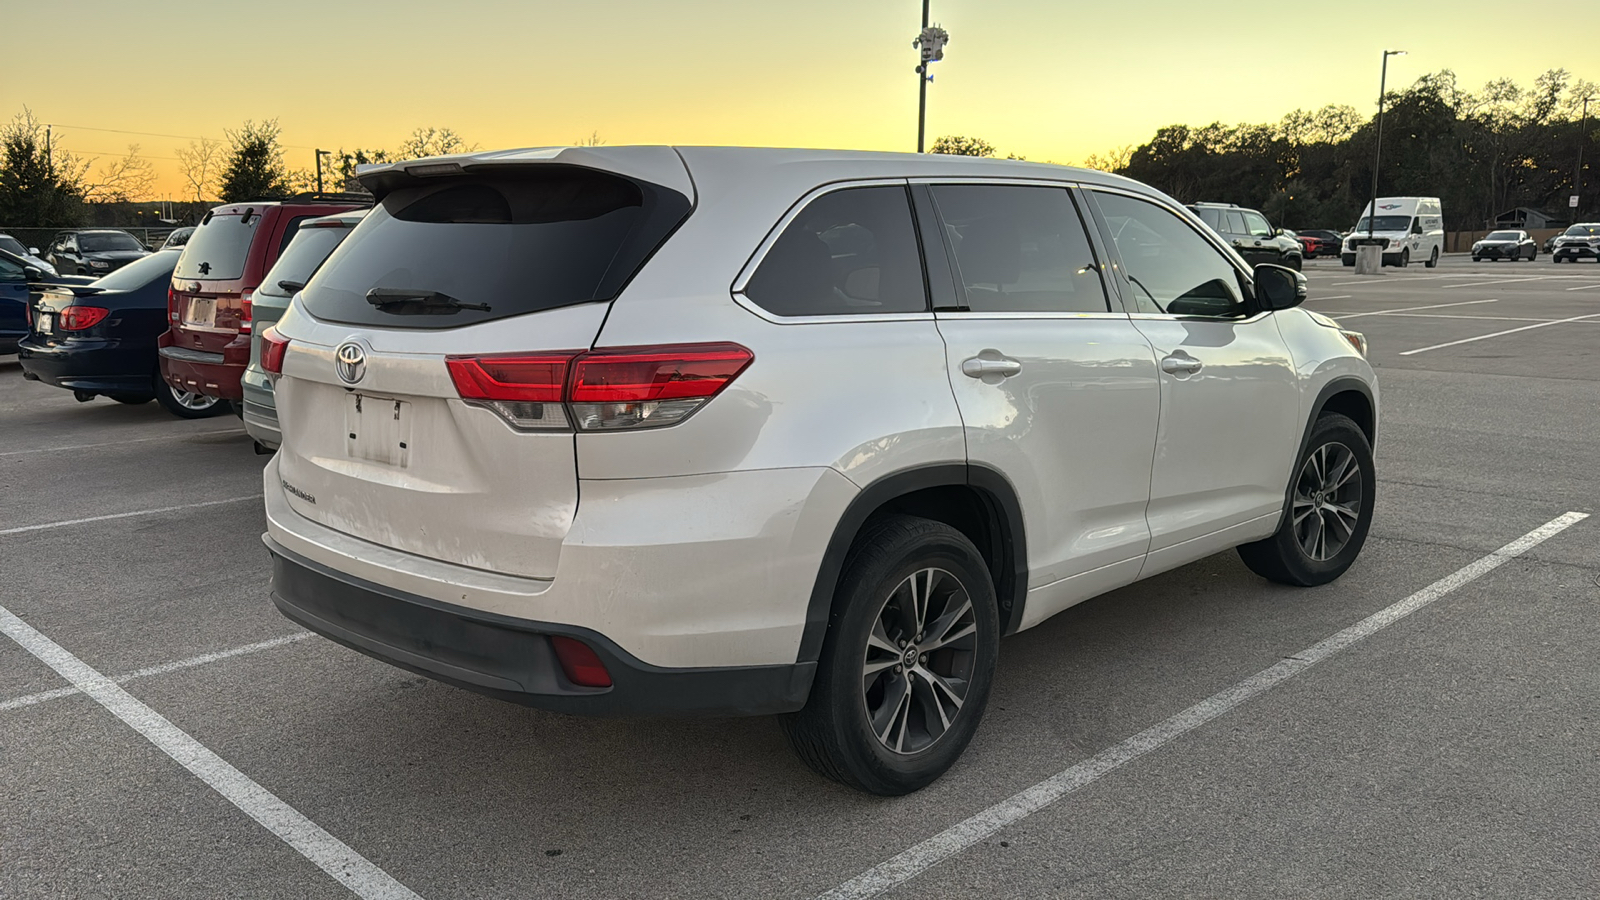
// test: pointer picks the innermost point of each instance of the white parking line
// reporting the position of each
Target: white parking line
(330, 854)
(1334, 297)
(1498, 281)
(1484, 337)
(191, 662)
(1585, 287)
(1404, 309)
(126, 515)
(911, 862)
(170, 437)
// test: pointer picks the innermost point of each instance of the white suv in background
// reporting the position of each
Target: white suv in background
(631, 430)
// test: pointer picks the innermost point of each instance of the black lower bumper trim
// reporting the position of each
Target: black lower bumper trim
(511, 658)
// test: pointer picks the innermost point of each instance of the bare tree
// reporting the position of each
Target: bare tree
(200, 164)
(127, 178)
(432, 141)
(593, 140)
(1111, 160)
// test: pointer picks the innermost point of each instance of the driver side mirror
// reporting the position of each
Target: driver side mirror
(33, 251)
(1279, 287)
(32, 273)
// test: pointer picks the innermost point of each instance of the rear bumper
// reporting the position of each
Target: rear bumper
(98, 366)
(512, 659)
(212, 374)
(260, 411)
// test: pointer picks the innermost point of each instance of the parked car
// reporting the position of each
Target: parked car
(1580, 241)
(1251, 235)
(207, 344)
(1406, 228)
(94, 252)
(316, 239)
(99, 339)
(29, 255)
(1320, 242)
(18, 278)
(640, 430)
(1550, 242)
(1512, 245)
(178, 238)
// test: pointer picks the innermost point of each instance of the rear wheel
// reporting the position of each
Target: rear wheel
(1433, 259)
(906, 670)
(188, 404)
(1330, 510)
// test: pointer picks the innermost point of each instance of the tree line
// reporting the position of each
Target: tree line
(45, 186)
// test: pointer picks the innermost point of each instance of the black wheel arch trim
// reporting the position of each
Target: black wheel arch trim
(1340, 385)
(1010, 550)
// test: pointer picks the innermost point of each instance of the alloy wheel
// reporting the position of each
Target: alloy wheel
(192, 400)
(919, 661)
(1327, 501)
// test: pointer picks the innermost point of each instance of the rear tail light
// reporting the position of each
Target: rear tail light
(580, 663)
(172, 304)
(244, 311)
(273, 347)
(603, 390)
(77, 318)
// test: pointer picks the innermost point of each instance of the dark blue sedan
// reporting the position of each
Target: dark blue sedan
(100, 338)
(16, 273)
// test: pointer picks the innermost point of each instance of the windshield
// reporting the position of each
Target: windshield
(11, 244)
(494, 246)
(137, 274)
(306, 252)
(103, 241)
(1574, 231)
(1385, 223)
(218, 248)
(1503, 236)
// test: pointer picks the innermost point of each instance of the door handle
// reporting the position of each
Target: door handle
(1180, 365)
(978, 367)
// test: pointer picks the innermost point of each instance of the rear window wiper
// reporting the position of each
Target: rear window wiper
(404, 301)
(291, 287)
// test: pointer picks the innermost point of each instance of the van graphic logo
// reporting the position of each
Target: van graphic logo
(350, 362)
(1389, 206)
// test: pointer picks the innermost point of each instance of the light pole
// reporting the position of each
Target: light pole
(319, 167)
(931, 41)
(1377, 151)
(1577, 173)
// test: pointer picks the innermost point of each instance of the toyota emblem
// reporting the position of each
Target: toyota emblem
(350, 361)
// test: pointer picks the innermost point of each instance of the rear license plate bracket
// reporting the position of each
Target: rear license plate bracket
(378, 429)
(202, 312)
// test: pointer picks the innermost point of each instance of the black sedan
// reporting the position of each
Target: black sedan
(16, 273)
(100, 338)
(1512, 245)
(94, 253)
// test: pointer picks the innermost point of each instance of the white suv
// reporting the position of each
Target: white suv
(631, 430)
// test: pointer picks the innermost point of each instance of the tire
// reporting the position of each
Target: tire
(132, 399)
(1306, 556)
(838, 731)
(1433, 260)
(1476, 259)
(1405, 259)
(1347, 260)
(1295, 263)
(188, 405)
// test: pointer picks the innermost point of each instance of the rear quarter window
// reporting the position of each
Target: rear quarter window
(310, 248)
(218, 248)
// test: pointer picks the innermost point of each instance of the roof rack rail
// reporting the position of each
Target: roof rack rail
(329, 197)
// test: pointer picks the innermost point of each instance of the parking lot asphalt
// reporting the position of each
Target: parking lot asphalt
(1450, 752)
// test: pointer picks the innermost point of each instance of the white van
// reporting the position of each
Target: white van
(1407, 228)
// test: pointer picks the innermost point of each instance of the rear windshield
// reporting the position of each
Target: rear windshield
(218, 248)
(306, 252)
(7, 242)
(140, 272)
(101, 242)
(457, 251)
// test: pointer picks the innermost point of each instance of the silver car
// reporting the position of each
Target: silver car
(636, 430)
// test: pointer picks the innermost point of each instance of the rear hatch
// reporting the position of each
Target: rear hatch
(495, 254)
(209, 282)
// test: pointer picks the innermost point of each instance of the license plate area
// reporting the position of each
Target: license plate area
(377, 429)
(201, 312)
(43, 322)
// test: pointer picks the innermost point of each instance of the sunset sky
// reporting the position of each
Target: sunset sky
(1048, 79)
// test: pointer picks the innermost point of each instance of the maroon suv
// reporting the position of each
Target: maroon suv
(207, 343)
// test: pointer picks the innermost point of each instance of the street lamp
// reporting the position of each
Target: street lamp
(931, 41)
(1377, 152)
(1577, 174)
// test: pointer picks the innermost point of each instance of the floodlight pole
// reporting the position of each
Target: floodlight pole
(1577, 173)
(1377, 151)
(319, 168)
(922, 86)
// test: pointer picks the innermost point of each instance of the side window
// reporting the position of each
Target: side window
(1020, 249)
(1257, 225)
(1171, 267)
(849, 252)
(11, 272)
(1235, 221)
(1212, 217)
(289, 233)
